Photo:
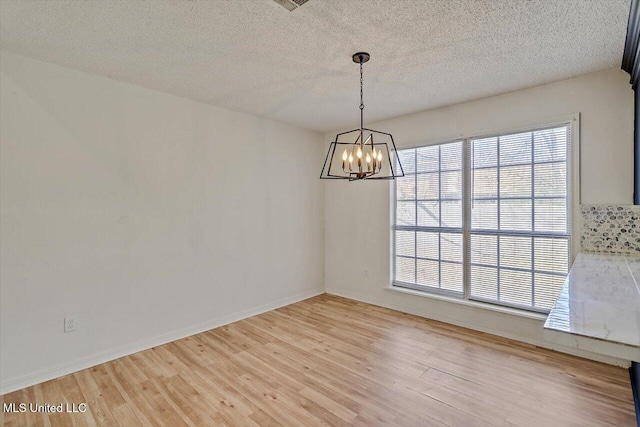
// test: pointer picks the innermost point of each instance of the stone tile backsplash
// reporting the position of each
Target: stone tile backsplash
(610, 229)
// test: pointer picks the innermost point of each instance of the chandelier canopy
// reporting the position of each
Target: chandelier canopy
(362, 153)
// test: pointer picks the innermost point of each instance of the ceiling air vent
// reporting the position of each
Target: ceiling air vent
(291, 5)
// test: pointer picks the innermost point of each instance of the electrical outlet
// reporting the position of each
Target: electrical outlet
(70, 324)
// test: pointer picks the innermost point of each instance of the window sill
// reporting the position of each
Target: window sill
(468, 303)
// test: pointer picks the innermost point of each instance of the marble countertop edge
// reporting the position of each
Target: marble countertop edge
(587, 308)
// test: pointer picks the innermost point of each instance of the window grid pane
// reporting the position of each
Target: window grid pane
(519, 193)
(519, 228)
(430, 195)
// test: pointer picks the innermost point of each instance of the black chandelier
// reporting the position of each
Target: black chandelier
(359, 156)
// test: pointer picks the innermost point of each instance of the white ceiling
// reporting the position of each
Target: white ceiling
(256, 57)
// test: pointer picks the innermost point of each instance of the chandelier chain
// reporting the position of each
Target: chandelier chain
(361, 104)
(361, 83)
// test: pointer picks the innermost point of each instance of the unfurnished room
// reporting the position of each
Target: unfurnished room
(320, 213)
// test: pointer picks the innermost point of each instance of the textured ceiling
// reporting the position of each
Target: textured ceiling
(256, 57)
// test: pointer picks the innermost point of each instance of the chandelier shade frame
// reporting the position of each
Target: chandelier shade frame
(331, 163)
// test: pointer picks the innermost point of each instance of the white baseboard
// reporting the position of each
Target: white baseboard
(516, 327)
(107, 356)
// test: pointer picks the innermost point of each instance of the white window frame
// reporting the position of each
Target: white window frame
(574, 198)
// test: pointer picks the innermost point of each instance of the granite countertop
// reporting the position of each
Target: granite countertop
(600, 299)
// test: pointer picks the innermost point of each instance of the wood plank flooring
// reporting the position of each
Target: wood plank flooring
(334, 361)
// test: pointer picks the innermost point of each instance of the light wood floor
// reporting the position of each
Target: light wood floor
(334, 361)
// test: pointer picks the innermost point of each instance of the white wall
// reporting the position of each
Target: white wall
(148, 216)
(605, 103)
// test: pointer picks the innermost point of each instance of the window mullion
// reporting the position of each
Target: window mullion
(498, 218)
(467, 164)
(440, 216)
(533, 222)
(415, 233)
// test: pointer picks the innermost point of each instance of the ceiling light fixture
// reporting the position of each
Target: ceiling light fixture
(362, 158)
(291, 5)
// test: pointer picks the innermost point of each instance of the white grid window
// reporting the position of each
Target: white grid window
(428, 230)
(486, 218)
